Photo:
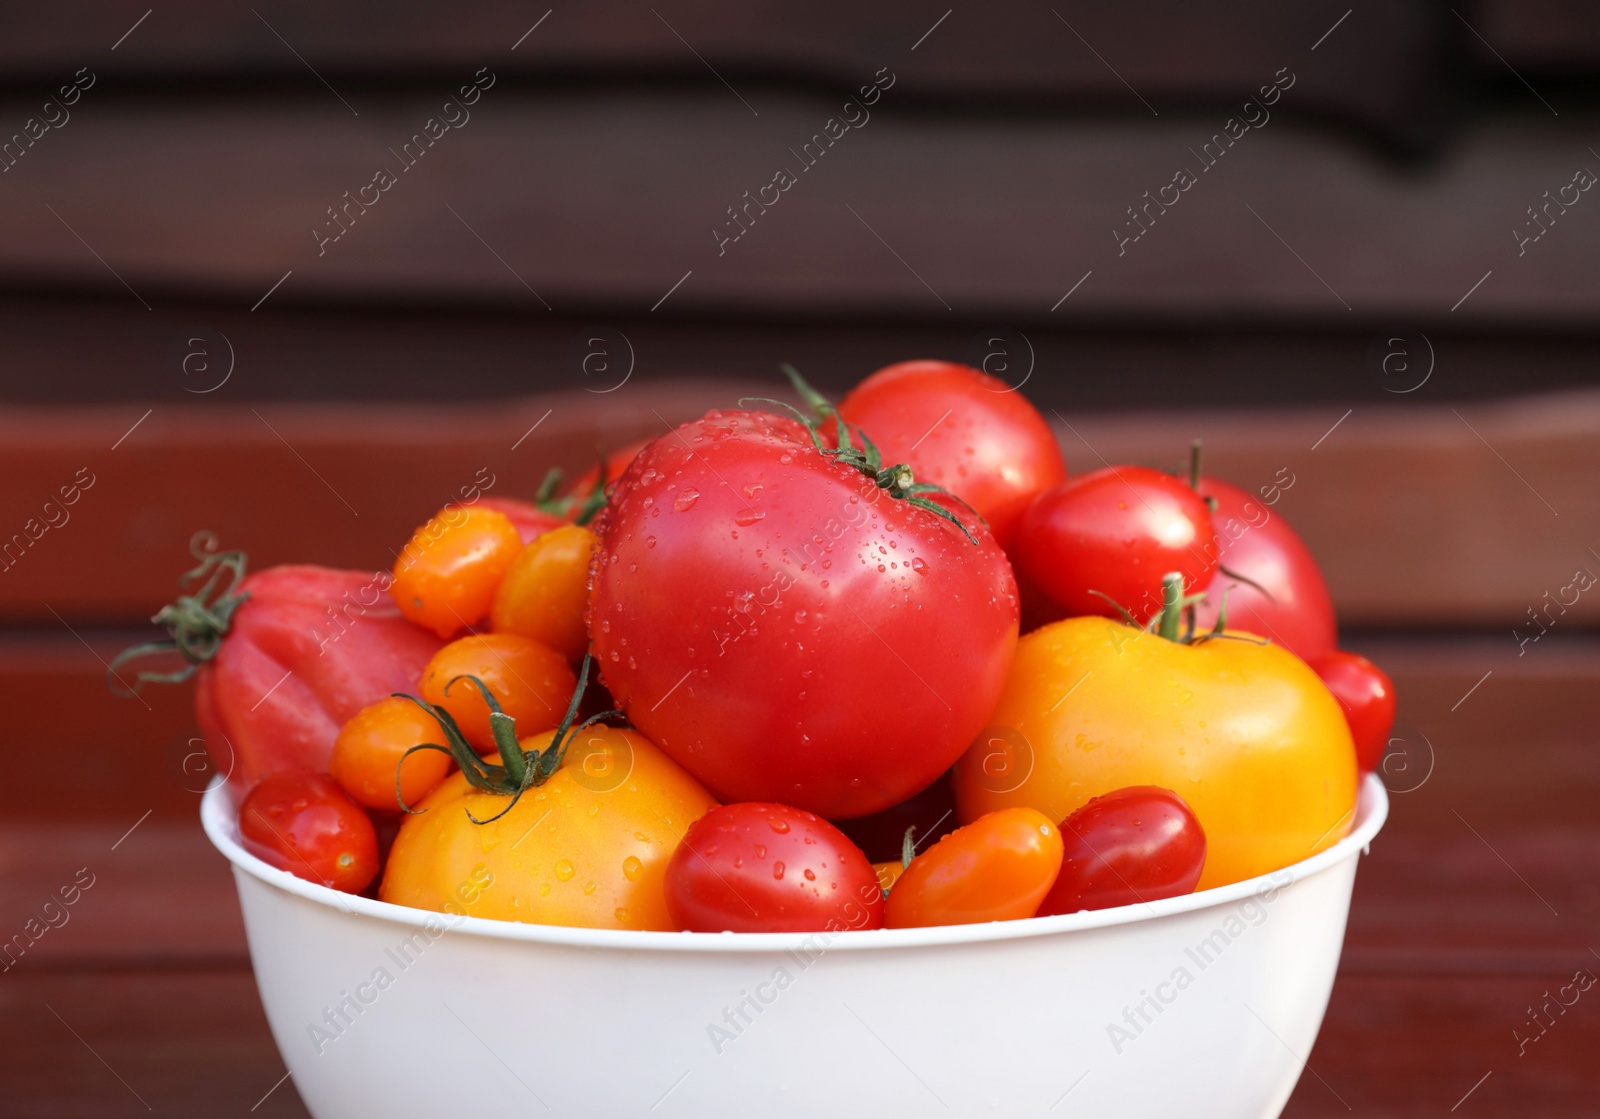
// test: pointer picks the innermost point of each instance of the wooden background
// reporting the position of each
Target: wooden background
(168, 326)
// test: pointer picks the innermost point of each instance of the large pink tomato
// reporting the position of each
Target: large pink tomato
(793, 627)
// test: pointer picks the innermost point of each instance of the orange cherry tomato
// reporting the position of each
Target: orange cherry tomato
(546, 591)
(997, 868)
(370, 746)
(447, 574)
(531, 682)
(888, 873)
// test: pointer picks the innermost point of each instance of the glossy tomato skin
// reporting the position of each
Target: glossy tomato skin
(545, 592)
(784, 629)
(531, 521)
(963, 430)
(588, 848)
(1245, 730)
(755, 867)
(309, 648)
(997, 868)
(1141, 843)
(371, 745)
(1253, 539)
(1118, 531)
(530, 681)
(304, 823)
(445, 577)
(1366, 694)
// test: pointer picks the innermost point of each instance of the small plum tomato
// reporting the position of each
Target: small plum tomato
(304, 823)
(545, 593)
(1116, 533)
(532, 521)
(1367, 697)
(755, 867)
(997, 868)
(530, 681)
(368, 752)
(446, 575)
(1136, 844)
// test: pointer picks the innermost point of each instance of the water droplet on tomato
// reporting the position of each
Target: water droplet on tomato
(588, 889)
(748, 517)
(544, 890)
(632, 867)
(761, 851)
(777, 870)
(686, 499)
(649, 541)
(811, 875)
(751, 490)
(778, 824)
(621, 915)
(565, 870)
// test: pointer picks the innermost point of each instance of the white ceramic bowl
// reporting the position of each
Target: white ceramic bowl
(1201, 1006)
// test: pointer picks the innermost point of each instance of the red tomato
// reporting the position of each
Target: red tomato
(1253, 540)
(304, 823)
(531, 521)
(997, 868)
(282, 659)
(963, 430)
(932, 812)
(1140, 843)
(770, 868)
(787, 629)
(616, 462)
(1364, 691)
(1117, 531)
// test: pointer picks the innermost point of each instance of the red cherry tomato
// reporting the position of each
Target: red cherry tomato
(1116, 531)
(1253, 540)
(963, 430)
(304, 823)
(755, 867)
(788, 630)
(1364, 691)
(997, 868)
(1140, 843)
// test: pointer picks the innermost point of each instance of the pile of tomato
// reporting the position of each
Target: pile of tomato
(879, 664)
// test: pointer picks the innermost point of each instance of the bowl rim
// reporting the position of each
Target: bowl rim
(218, 819)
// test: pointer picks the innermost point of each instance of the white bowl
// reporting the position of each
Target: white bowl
(1204, 1005)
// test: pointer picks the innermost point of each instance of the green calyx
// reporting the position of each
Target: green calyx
(196, 622)
(520, 770)
(1177, 609)
(897, 480)
(580, 510)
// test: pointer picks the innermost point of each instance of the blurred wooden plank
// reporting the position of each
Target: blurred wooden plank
(1406, 1048)
(611, 201)
(1539, 37)
(186, 1042)
(1377, 73)
(1396, 500)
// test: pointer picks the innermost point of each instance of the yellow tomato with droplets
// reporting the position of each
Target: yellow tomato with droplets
(1242, 730)
(588, 848)
(545, 593)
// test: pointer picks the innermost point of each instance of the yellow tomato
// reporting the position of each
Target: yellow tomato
(1243, 731)
(587, 848)
(546, 590)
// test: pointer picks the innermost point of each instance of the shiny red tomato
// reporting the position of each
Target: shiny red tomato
(1137, 844)
(755, 867)
(963, 430)
(1254, 541)
(1364, 691)
(1116, 531)
(789, 627)
(304, 823)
